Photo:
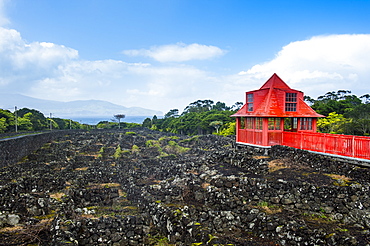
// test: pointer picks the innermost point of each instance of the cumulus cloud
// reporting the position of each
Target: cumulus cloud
(179, 52)
(22, 62)
(51, 71)
(320, 64)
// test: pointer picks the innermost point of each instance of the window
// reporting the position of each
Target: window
(274, 123)
(250, 122)
(291, 97)
(250, 100)
(290, 124)
(291, 102)
(306, 123)
(290, 107)
(242, 123)
(259, 123)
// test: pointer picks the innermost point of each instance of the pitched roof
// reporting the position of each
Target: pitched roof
(275, 82)
(273, 103)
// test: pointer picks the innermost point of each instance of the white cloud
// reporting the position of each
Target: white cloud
(320, 64)
(52, 71)
(55, 72)
(22, 62)
(178, 52)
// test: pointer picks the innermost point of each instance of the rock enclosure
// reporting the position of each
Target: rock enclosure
(142, 187)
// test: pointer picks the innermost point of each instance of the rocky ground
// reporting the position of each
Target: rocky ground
(141, 187)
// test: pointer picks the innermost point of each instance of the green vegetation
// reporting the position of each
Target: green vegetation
(26, 119)
(101, 152)
(116, 125)
(346, 113)
(166, 146)
(199, 117)
(158, 240)
(118, 153)
(135, 149)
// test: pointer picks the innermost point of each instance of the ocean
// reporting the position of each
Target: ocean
(96, 120)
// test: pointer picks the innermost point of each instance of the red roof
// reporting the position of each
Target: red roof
(270, 101)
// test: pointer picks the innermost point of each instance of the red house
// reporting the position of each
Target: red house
(273, 109)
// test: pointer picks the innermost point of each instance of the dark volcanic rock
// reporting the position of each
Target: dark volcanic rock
(141, 187)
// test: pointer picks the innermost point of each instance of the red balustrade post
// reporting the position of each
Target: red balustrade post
(353, 146)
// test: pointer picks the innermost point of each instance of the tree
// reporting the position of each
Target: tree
(360, 119)
(3, 125)
(172, 113)
(309, 100)
(147, 123)
(221, 106)
(333, 123)
(339, 102)
(24, 123)
(237, 106)
(119, 117)
(365, 98)
(216, 124)
(199, 106)
(37, 118)
(228, 129)
(8, 120)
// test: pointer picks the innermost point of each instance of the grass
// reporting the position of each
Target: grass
(172, 148)
(194, 138)
(267, 208)
(340, 180)
(112, 211)
(158, 240)
(118, 153)
(135, 149)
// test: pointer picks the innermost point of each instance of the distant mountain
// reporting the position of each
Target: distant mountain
(80, 108)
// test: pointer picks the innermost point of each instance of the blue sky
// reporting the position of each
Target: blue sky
(165, 54)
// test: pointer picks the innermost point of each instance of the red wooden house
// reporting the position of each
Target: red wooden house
(277, 115)
(270, 111)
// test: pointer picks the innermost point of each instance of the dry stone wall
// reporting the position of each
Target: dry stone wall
(16, 147)
(141, 187)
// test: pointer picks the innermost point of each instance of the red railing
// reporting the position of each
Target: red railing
(250, 136)
(344, 145)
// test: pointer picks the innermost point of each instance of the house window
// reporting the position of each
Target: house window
(290, 124)
(290, 107)
(274, 123)
(258, 124)
(291, 102)
(306, 124)
(250, 100)
(250, 122)
(242, 123)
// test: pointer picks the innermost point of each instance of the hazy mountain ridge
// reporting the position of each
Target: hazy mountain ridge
(79, 108)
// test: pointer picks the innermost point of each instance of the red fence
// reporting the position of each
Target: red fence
(345, 145)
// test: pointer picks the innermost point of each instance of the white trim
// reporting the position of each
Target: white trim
(344, 157)
(254, 145)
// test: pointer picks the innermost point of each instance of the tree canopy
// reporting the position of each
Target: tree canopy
(199, 117)
(346, 113)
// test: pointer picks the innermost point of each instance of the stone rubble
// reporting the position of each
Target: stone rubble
(179, 190)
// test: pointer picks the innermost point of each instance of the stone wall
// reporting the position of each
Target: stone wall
(15, 148)
(182, 190)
